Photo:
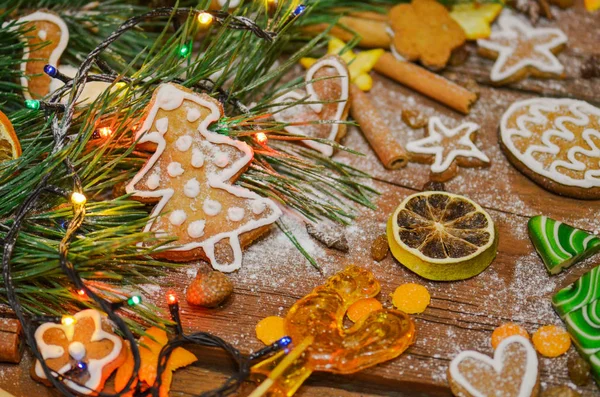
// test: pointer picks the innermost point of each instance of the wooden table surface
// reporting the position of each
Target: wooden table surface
(462, 315)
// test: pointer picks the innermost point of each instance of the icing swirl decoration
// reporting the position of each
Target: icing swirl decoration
(195, 196)
(555, 142)
(333, 88)
(521, 49)
(560, 245)
(579, 307)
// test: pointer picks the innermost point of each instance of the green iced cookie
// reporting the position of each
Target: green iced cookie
(560, 245)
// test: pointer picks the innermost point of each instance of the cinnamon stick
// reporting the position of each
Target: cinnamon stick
(373, 32)
(10, 340)
(391, 154)
(426, 82)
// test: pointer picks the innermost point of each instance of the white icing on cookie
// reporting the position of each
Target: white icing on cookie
(432, 144)
(205, 143)
(196, 229)
(197, 158)
(235, 214)
(162, 125)
(54, 57)
(221, 159)
(258, 207)
(42, 34)
(193, 114)
(175, 169)
(183, 143)
(211, 207)
(191, 188)
(177, 217)
(95, 366)
(153, 181)
(559, 132)
(77, 350)
(531, 366)
(318, 107)
(505, 42)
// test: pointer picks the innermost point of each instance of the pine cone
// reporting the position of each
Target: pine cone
(209, 289)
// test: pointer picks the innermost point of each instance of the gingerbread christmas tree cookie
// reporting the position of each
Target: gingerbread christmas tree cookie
(447, 149)
(327, 82)
(191, 176)
(46, 41)
(560, 245)
(521, 50)
(556, 143)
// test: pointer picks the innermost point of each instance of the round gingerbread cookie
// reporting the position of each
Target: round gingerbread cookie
(556, 143)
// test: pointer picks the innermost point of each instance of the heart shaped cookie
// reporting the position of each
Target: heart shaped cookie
(513, 372)
(327, 82)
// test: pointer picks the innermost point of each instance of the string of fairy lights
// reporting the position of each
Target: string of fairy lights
(59, 127)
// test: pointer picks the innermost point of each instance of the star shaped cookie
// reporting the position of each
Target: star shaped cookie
(521, 50)
(447, 148)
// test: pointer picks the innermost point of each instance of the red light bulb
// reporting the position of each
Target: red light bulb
(261, 138)
(171, 298)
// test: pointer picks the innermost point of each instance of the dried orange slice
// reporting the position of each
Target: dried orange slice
(442, 236)
(10, 148)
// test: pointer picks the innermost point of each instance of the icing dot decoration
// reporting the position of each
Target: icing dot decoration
(177, 217)
(191, 188)
(183, 143)
(235, 214)
(77, 350)
(153, 181)
(175, 169)
(193, 115)
(162, 125)
(211, 207)
(196, 229)
(197, 158)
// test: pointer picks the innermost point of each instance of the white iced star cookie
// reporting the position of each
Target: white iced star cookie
(447, 148)
(521, 50)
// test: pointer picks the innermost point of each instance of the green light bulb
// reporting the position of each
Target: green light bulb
(32, 104)
(134, 300)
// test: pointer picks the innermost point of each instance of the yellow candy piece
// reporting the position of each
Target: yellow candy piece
(270, 329)
(411, 298)
(475, 19)
(359, 64)
(592, 5)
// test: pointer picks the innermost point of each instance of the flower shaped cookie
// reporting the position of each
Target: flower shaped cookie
(90, 339)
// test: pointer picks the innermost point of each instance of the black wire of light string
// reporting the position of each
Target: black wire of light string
(59, 131)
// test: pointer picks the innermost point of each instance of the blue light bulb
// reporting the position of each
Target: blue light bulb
(50, 70)
(81, 366)
(284, 342)
(299, 10)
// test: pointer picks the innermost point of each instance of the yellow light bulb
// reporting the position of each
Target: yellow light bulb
(67, 321)
(205, 18)
(78, 198)
(261, 137)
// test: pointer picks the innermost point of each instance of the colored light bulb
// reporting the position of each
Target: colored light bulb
(204, 18)
(105, 132)
(81, 292)
(68, 321)
(184, 50)
(32, 104)
(299, 10)
(261, 138)
(82, 366)
(284, 342)
(171, 298)
(134, 300)
(78, 198)
(50, 70)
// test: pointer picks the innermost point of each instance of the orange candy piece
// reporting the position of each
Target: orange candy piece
(124, 372)
(411, 298)
(149, 351)
(506, 330)
(270, 329)
(363, 308)
(551, 340)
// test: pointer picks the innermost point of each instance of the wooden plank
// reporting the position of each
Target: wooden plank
(462, 314)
